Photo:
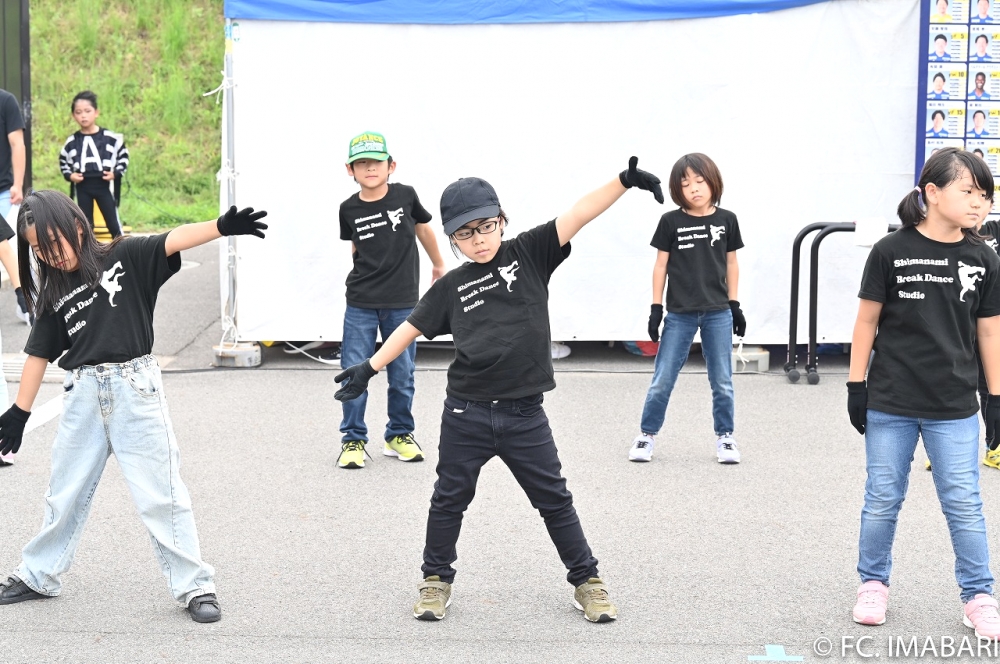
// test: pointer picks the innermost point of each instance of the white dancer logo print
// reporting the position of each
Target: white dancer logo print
(507, 273)
(717, 232)
(992, 243)
(395, 216)
(968, 275)
(110, 281)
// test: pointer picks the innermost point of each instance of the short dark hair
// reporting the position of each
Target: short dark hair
(939, 75)
(978, 112)
(983, 37)
(940, 37)
(87, 96)
(979, 152)
(699, 164)
(937, 113)
(980, 73)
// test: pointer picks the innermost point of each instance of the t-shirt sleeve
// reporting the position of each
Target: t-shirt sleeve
(6, 232)
(541, 244)
(991, 228)
(734, 239)
(346, 232)
(417, 211)
(664, 236)
(48, 337)
(149, 254)
(989, 302)
(432, 315)
(12, 119)
(875, 277)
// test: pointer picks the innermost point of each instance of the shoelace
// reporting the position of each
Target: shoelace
(354, 446)
(430, 594)
(408, 439)
(599, 595)
(870, 598)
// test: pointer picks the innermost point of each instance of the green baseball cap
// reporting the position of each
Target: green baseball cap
(368, 145)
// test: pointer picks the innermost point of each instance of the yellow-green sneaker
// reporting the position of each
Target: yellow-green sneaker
(352, 454)
(992, 458)
(435, 596)
(404, 447)
(927, 464)
(592, 598)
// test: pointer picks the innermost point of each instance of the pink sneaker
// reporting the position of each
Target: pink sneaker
(873, 598)
(981, 614)
(6, 459)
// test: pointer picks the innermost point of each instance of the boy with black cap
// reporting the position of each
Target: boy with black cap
(496, 308)
(381, 222)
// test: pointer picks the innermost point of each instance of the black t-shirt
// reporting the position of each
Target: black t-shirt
(386, 272)
(931, 294)
(498, 315)
(992, 229)
(698, 248)
(10, 121)
(113, 321)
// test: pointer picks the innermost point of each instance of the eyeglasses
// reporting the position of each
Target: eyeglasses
(483, 229)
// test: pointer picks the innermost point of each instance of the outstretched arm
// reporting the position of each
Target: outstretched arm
(593, 204)
(355, 379)
(188, 236)
(13, 420)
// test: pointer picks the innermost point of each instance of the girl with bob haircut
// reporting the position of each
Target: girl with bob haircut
(929, 292)
(696, 246)
(93, 307)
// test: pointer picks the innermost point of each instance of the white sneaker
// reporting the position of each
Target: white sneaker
(642, 448)
(725, 448)
(559, 350)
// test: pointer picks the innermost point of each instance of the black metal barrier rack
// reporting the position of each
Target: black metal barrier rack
(824, 228)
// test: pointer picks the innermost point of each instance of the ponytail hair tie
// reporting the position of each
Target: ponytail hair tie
(920, 196)
(917, 189)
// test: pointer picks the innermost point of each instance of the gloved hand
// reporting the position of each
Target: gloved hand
(243, 222)
(22, 307)
(357, 378)
(12, 429)
(992, 418)
(633, 177)
(857, 404)
(655, 318)
(739, 320)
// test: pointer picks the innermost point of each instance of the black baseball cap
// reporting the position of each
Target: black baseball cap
(465, 200)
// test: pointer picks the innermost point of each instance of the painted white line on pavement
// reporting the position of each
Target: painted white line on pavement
(47, 411)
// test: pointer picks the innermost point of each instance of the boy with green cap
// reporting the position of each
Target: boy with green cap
(382, 222)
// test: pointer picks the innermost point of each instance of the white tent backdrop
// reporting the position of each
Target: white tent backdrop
(808, 112)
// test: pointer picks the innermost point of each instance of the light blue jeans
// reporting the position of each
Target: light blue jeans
(675, 346)
(361, 328)
(953, 449)
(117, 409)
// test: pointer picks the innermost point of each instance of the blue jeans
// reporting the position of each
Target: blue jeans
(117, 409)
(953, 449)
(675, 346)
(517, 431)
(5, 207)
(361, 327)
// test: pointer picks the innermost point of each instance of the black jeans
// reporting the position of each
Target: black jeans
(97, 190)
(517, 431)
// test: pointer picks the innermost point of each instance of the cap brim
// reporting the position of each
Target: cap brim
(485, 212)
(377, 156)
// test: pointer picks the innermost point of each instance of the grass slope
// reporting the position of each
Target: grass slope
(148, 61)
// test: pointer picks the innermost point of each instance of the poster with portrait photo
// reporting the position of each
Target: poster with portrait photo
(948, 43)
(945, 119)
(932, 145)
(988, 149)
(982, 120)
(984, 44)
(990, 79)
(982, 12)
(946, 81)
(949, 11)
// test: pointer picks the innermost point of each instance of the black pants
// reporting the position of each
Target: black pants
(97, 190)
(472, 433)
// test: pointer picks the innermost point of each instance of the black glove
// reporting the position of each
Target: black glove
(739, 320)
(22, 304)
(992, 418)
(857, 404)
(357, 378)
(12, 429)
(243, 222)
(633, 177)
(655, 318)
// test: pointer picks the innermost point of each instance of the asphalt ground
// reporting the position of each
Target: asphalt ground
(707, 563)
